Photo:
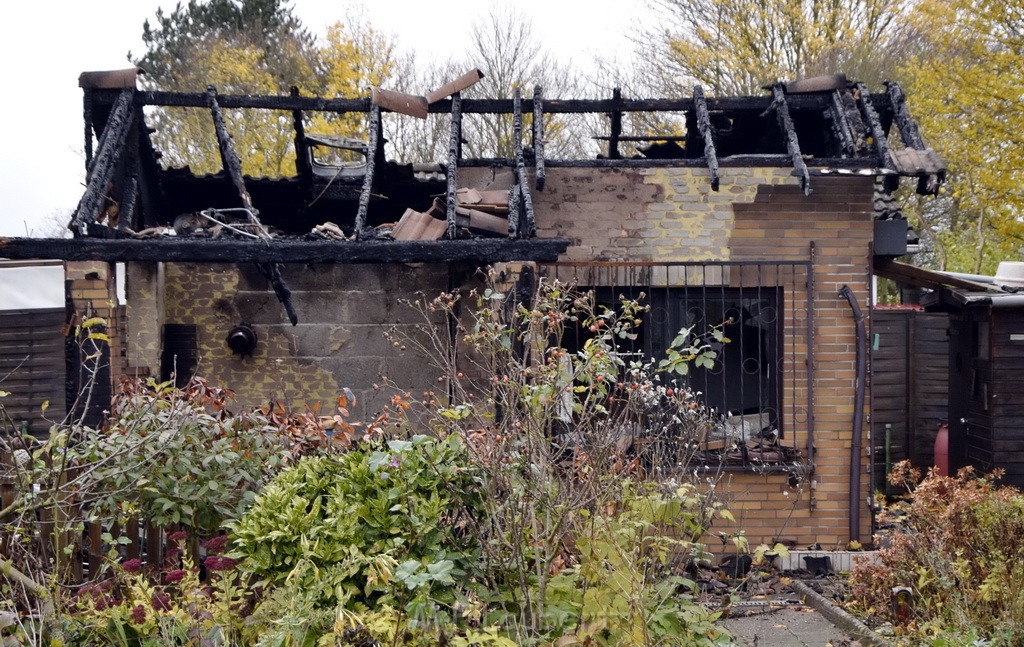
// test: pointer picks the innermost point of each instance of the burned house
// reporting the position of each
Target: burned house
(760, 215)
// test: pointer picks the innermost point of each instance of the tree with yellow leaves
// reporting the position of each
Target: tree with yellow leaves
(966, 89)
(254, 47)
(733, 47)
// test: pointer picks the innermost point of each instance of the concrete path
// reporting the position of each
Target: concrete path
(787, 627)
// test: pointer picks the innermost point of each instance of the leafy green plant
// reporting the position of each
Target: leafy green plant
(956, 547)
(203, 465)
(382, 522)
(560, 416)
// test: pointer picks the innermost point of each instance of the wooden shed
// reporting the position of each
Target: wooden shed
(986, 367)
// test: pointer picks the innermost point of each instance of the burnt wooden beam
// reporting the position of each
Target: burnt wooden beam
(781, 109)
(302, 164)
(870, 116)
(514, 213)
(615, 129)
(371, 165)
(233, 167)
(87, 119)
(841, 127)
(272, 272)
(475, 106)
(538, 137)
(452, 171)
(733, 161)
(528, 229)
(700, 105)
(911, 135)
(229, 158)
(114, 136)
(186, 250)
(128, 199)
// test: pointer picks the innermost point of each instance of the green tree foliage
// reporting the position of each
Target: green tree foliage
(254, 47)
(965, 87)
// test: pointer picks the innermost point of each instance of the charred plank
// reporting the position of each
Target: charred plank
(528, 228)
(700, 105)
(615, 130)
(841, 125)
(781, 109)
(475, 106)
(452, 175)
(538, 137)
(302, 165)
(184, 250)
(229, 158)
(115, 134)
(371, 164)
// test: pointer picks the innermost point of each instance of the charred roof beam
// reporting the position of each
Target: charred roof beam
(233, 167)
(529, 228)
(371, 165)
(869, 114)
(452, 175)
(781, 109)
(111, 149)
(538, 137)
(911, 136)
(700, 105)
(841, 127)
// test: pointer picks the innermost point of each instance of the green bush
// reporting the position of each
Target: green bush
(382, 523)
(192, 462)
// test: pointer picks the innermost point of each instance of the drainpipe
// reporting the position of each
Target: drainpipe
(858, 411)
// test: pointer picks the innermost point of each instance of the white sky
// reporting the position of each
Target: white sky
(44, 45)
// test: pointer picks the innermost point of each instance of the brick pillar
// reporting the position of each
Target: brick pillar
(90, 290)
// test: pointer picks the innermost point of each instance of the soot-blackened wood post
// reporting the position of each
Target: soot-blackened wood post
(910, 134)
(616, 125)
(538, 137)
(514, 212)
(229, 158)
(108, 156)
(454, 153)
(302, 164)
(87, 118)
(789, 131)
(371, 165)
(841, 125)
(700, 105)
(529, 228)
(233, 167)
(867, 111)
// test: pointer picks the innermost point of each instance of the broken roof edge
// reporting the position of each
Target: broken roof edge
(197, 250)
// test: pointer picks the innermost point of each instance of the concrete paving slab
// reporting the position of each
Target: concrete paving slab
(787, 627)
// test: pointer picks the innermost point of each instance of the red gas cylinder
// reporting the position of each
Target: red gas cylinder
(942, 449)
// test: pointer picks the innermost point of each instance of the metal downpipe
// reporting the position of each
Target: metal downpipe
(858, 411)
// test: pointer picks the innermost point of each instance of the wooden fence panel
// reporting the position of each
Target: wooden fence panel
(32, 365)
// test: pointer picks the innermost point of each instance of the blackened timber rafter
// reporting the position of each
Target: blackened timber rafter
(700, 106)
(615, 131)
(911, 135)
(452, 172)
(225, 143)
(233, 167)
(87, 120)
(538, 138)
(185, 250)
(111, 148)
(529, 228)
(781, 109)
(870, 115)
(371, 166)
(755, 104)
(841, 125)
(302, 165)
